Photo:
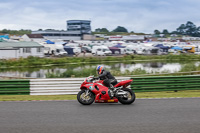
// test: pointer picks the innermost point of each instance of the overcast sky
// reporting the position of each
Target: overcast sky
(135, 15)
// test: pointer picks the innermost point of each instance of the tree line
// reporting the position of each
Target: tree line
(118, 29)
(189, 29)
(15, 32)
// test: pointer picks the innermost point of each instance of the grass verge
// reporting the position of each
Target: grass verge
(37, 61)
(166, 94)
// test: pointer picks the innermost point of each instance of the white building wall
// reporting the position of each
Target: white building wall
(33, 52)
(17, 53)
(36, 53)
(9, 53)
(133, 37)
(74, 38)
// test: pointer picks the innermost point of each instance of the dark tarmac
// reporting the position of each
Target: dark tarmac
(181, 115)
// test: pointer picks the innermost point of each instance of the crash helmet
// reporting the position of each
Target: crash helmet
(100, 69)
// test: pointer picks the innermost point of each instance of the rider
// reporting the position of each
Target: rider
(109, 80)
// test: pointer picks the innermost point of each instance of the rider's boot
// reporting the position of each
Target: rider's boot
(111, 94)
(111, 91)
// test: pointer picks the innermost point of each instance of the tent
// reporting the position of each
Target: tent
(177, 48)
(69, 50)
(164, 48)
(49, 42)
(114, 50)
(119, 46)
(4, 36)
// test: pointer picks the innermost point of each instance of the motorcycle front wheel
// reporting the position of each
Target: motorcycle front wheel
(129, 99)
(85, 99)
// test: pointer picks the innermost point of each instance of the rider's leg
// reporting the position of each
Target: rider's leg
(112, 83)
(107, 83)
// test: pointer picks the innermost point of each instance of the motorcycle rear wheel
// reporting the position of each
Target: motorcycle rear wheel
(85, 100)
(130, 99)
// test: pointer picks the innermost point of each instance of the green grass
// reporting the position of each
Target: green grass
(167, 94)
(36, 61)
(36, 98)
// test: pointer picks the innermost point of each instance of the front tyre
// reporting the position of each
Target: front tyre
(130, 97)
(85, 99)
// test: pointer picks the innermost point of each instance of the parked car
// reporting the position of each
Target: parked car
(132, 49)
(101, 50)
(54, 49)
(76, 50)
(86, 49)
(60, 52)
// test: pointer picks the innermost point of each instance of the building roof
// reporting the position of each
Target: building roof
(19, 44)
(35, 36)
(56, 32)
(72, 21)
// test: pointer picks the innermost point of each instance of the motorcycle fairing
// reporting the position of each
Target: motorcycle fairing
(124, 83)
(101, 93)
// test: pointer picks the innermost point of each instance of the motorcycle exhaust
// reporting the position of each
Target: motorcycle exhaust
(121, 93)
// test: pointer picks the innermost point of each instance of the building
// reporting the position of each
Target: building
(79, 25)
(125, 38)
(76, 29)
(134, 38)
(60, 35)
(32, 37)
(191, 38)
(89, 37)
(10, 50)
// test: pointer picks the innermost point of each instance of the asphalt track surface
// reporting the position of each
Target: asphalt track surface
(144, 116)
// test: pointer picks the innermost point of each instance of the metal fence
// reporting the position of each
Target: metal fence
(166, 83)
(14, 87)
(58, 86)
(61, 86)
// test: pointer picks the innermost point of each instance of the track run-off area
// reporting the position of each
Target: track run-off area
(170, 115)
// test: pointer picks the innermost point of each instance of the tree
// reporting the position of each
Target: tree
(97, 30)
(15, 32)
(5, 31)
(120, 29)
(101, 30)
(181, 29)
(156, 32)
(174, 32)
(189, 29)
(104, 30)
(165, 31)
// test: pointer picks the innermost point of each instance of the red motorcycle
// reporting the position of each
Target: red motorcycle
(94, 90)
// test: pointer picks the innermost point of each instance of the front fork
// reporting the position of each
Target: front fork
(86, 92)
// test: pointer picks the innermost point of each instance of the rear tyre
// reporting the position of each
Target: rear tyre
(85, 100)
(130, 99)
